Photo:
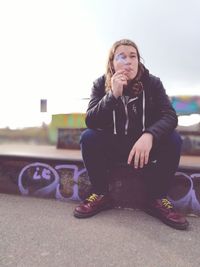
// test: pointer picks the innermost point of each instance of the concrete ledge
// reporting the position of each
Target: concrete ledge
(48, 152)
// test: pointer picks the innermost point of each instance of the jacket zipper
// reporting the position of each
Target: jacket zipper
(126, 112)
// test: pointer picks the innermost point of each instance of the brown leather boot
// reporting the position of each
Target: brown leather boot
(93, 205)
(164, 210)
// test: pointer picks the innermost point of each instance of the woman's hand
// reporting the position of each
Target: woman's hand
(118, 80)
(139, 154)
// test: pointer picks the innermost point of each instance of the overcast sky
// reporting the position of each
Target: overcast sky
(54, 49)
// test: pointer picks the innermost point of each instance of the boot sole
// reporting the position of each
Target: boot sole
(169, 223)
(88, 215)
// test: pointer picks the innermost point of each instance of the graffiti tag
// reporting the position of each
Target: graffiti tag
(40, 179)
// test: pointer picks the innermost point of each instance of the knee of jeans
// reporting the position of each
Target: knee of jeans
(89, 136)
(176, 139)
(176, 142)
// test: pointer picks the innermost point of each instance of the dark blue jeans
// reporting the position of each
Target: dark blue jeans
(101, 151)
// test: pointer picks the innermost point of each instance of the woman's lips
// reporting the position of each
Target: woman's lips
(128, 69)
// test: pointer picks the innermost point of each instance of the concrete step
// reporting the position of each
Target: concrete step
(45, 171)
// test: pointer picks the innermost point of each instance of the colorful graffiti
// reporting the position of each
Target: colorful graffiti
(189, 199)
(69, 138)
(64, 182)
(65, 121)
(70, 182)
(185, 105)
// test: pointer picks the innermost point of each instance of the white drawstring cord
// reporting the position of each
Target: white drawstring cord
(143, 114)
(114, 122)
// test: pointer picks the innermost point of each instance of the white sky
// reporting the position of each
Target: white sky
(54, 49)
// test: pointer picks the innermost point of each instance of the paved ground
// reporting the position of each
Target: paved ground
(43, 232)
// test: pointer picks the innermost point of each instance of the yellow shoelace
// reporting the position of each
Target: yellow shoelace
(92, 198)
(166, 203)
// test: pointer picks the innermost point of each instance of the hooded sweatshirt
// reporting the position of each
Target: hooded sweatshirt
(150, 110)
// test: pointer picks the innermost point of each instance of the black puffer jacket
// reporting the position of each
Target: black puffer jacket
(151, 111)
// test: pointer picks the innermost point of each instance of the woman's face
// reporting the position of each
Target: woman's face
(125, 58)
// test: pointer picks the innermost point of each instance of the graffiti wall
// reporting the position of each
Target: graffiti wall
(70, 182)
(185, 192)
(185, 105)
(54, 180)
(69, 138)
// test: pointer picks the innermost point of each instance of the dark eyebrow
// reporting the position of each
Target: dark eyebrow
(133, 53)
